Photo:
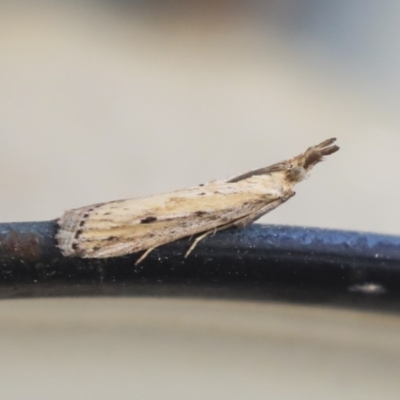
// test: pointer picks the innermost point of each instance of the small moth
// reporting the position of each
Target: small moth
(123, 227)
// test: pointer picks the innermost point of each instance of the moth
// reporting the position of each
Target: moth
(123, 227)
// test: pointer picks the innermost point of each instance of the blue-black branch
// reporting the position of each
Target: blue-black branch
(255, 262)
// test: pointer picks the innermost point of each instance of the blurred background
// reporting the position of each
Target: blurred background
(102, 100)
(117, 99)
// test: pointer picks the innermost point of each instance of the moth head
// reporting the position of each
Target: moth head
(296, 169)
(299, 167)
(297, 173)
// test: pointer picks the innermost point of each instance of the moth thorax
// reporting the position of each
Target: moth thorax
(297, 174)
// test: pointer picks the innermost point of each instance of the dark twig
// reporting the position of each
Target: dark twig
(263, 261)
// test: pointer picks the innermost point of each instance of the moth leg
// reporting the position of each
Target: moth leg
(144, 255)
(213, 231)
(197, 240)
(210, 232)
(244, 221)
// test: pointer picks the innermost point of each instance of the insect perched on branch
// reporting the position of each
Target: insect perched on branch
(123, 227)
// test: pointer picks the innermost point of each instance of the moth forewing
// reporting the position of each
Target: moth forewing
(127, 226)
(112, 229)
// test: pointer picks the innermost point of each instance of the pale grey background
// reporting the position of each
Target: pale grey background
(194, 349)
(108, 100)
(101, 102)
